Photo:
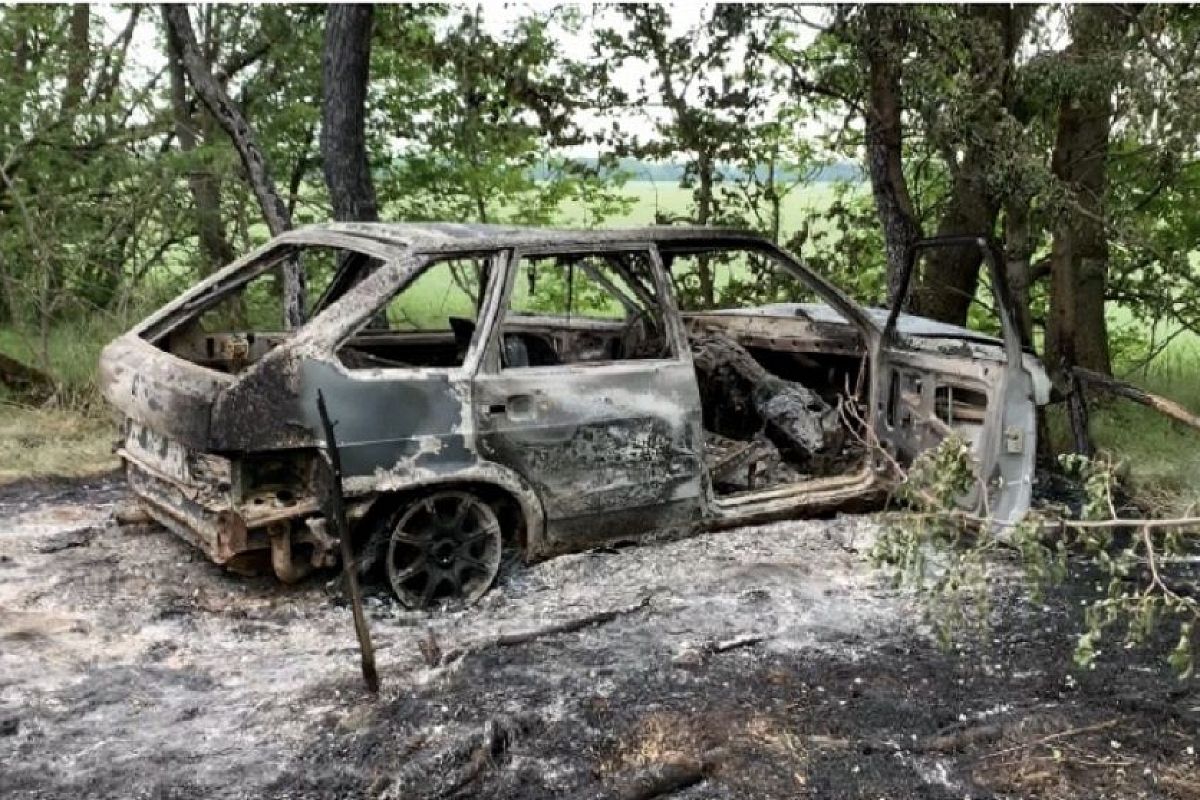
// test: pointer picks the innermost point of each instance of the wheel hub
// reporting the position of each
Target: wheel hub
(444, 553)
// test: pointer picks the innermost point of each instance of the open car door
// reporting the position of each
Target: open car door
(938, 380)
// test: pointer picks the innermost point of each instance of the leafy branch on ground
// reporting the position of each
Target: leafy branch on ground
(951, 554)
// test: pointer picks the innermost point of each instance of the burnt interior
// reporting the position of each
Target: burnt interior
(780, 393)
(794, 415)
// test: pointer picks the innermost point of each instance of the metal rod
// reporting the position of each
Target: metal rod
(337, 518)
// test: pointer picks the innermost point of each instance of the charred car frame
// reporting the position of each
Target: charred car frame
(541, 392)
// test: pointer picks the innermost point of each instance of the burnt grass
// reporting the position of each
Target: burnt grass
(812, 725)
(130, 667)
(1006, 715)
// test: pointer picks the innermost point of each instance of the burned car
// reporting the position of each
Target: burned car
(504, 389)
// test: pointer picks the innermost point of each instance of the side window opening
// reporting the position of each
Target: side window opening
(429, 323)
(585, 308)
(962, 410)
(957, 405)
(237, 324)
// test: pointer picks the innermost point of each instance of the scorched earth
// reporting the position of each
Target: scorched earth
(767, 661)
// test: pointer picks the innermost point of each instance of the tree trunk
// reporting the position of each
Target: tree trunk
(883, 52)
(231, 119)
(12, 131)
(704, 209)
(1076, 332)
(78, 57)
(948, 283)
(346, 71)
(1018, 250)
(203, 185)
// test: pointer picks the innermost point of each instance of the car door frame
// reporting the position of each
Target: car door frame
(570, 521)
(1007, 445)
(817, 495)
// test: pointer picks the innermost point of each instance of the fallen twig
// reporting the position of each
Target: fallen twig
(745, 640)
(962, 739)
(523, 637)
(78, 537)
(446, 771)
(1100, 726)
(662, 779)
(1181, 787)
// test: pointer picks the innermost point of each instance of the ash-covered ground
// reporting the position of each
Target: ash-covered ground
(762, 662)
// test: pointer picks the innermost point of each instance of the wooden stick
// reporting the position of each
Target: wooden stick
(522, 637)
(962, 739)
(659, 780)
(745, 640)
(1100, 726)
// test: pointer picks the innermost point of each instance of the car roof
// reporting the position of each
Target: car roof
(422, 236)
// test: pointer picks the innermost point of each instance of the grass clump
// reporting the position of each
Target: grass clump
(53, 441)
(71, 434)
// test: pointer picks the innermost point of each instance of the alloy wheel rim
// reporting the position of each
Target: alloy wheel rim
(444, 550)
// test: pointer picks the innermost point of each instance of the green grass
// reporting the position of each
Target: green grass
(650, 198)
(1159, 457)
(43, 442)
(72, 434)
(433, 296)
(73, 348)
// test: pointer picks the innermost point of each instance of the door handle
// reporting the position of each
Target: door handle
(515, 407)
(521, 407)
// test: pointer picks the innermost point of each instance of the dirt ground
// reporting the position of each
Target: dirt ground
(757, 663)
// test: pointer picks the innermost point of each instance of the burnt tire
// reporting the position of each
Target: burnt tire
(443, 550)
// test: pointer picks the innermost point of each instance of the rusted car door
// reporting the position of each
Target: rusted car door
(613, 445)
(936, 380)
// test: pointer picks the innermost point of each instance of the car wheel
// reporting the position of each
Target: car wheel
(444, 550)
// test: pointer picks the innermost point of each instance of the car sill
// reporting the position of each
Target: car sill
(819, 489)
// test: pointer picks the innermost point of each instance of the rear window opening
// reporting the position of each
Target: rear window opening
(238, 322)
(429, 323)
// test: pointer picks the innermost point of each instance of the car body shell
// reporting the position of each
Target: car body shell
(233, 462)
